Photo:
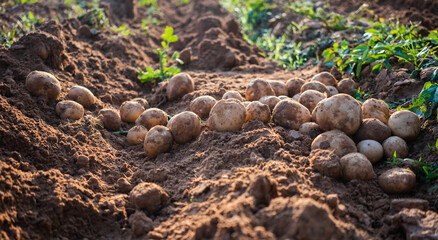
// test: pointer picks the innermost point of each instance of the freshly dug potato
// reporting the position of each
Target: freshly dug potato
(158, 140)
(290, 114)
(279, 87)
(283, 97)
(333, 90)
(405, 124)
(69, 109)
(357, 166)
(326, 162)
(136, 135)
(152, 117)
(347, 86)
(325, 78)
(43, 83)
(110, 119)
(184, 127)
(179, 85)
(336, 141)
(311, 98)
(397, 180)
(341, 112)
(311, 129)
(395, 144)
(271, 101)
(294, 86)
(373, 128)
(233, 94)
(257, 89)
(82, 95)
(227, 115)
(373, 150)
(315, 86)
(130, 111)
(246, 103)
(202, 105)
(375, 108)
(296, 97)
(142, 101)
(257, 111)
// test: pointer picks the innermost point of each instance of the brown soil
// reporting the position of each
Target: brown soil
(63, 179)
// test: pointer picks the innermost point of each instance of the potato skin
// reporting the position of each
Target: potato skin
(372, 149)
(271, 101)
(142, 101)
(82, 95)
(395, 144)
(110, 119)
(152, 117)
(43, 83)
(290, 114)
(202, 105)
(279, 87)
(397, 180)
(310, 98)
(333, 90)
(357, 166)
(336, 141)
(326, 162)
(233, 94)
(294, 86)
(130, 111)
(347, 86)
(257, 89)
(227, 115)
(374, 129)
(405, 124)
(325, 78)
(315, 86)
(375, 108)
(310, 128)
(158, 140)
(136, 135)
(70, 109)
(184, 127)
(179, 85)
(257, 111)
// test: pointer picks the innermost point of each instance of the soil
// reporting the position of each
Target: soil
(62, 179)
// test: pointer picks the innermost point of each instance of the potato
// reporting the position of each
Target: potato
(82, 95)
(142, 101)
(333, 90)
(246, 103)
(347, 86)
(202, 105)
(373, 150)
(340, 112)
(43, 83)
(374, 108)
(184, 127)
(110, 119)
(290, 114)
(233, 94)
(152, 117)
(311, 98)
(158, 140)
(130, 111)
(405, 124)
(296, 97)
(227, 115)
(257, 111)
(397, 180)
(279, 87)
(69, 109)
(136, 135)
(271, 101)
(374, 129)
(325, 78)
(336, 141)
(257, 89)
(357, 166)
(395, 144)
(179, 85)
(311, 129)
(326, 162)
(294, 86)
(315, 86)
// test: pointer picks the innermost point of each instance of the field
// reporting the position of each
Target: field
(64, 178)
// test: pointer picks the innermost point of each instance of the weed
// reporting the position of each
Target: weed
(122, 30)
(394, 161)
(360, 95)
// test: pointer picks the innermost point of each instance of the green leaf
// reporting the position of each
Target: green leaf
(173, 39)
(377, 67)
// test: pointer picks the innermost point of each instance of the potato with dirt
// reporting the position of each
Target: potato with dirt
(395, 144)
(315, 86)
(279, 87)
(347, 86)
(82, 95)
(325, 78)
(184, 127)
(157, 140)
(397, 180)
(372, 149)
(258, 89)
(136, 135)
(326, 162)
(336, 141)
(179, 85)
(271, 101)
(373, 128)
(333, 90)
(130, 111)
(311, 98)
(142, 101)
(202, 105)
(375, 108)
(257, 111)
(405, 124)
(294, 86)
(148, 196)
(41, 83)
(311, 129)
(290, 114)
(357, 166)
(152, 117)
(110, 119)
(68, 109)
(233, 95)
(227, 115)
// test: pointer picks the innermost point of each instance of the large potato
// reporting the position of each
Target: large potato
(375, 108)
(43, 83)
(279, 87)
(70, 109)
(373, 128)
(294, 86)
(179, 85)
(233, 94)
(311, 98)
(405, 124)
(315, 86)
(110, 119)
(202, 105)
(397, 145)
(158, 140)
(184, 127)
(336, 141)
(257, 111)
(227, 115)
(82, 95)
(257, 89)
(373, 150)
(341, 112)
(325, 78)
(347, 86)
(130, 111)
(290, 114)
(397, 180)
(271, 101)
(136, 135)
(357, 166)
(152, 117)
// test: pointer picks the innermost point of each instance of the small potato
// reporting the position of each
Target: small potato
(336, 141)
(340, 112)
(294, 86)
(69, 109)
(257, 111)
(184, 127)
(405, 124)
(325, 78)
(375, 108)
(395, 144)
(130, 111)
(258, 89)
(347, 86)
(373, 128)
(179, 85)
(43, 83)
(357, 166)
(326, 162)
(202, 105)
(82, 95)
(311, 98)
(296, 97)
(136, 135)
(152, 117)
(311, 129)
(110, 119)
(227, 115)
(233, 94)
(397, 180)
(373, 150)
(279, 87)
(315, 86)
(283, 97)
(142, 101)
(333, 90)
(158, 140)
(290, 114)
(271, 101)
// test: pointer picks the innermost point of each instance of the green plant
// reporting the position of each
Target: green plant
(182, 2)
(122, 30)
(164, 71)
(26, 24)
(394, 161)
(360, 95)
(426, 102)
